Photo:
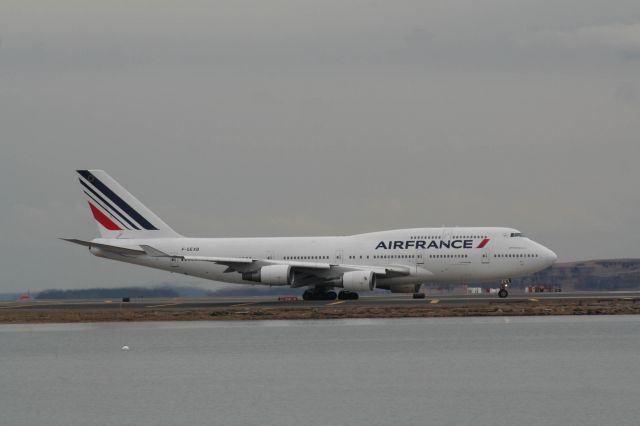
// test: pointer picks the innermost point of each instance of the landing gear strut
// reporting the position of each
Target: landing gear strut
(348, 295)
(319, 295)
(504, 284)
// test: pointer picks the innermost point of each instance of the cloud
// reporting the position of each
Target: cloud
(620, 36)
(419, 37)
(626, 92)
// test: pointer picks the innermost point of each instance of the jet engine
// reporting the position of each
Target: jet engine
(359, 281)
(271, 274)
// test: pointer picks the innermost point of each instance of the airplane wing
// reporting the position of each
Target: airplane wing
(310, 270)
(244, 264)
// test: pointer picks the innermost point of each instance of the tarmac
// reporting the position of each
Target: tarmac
(254, 302)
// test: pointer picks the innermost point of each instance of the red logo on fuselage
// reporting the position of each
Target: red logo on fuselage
(483, 243)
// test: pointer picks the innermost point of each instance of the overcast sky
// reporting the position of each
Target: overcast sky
(254, 118)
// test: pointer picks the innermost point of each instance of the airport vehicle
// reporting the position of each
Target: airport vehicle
(398, 260)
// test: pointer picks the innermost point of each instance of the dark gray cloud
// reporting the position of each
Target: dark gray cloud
(317, 118)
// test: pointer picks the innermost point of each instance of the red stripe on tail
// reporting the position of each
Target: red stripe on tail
(103, 219)
(483, 243)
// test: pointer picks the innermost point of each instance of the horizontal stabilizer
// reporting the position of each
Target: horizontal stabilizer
(106, 247)
(153, 252)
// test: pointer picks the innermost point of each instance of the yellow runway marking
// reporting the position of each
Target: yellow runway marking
(336, 303)
(534, 300)
(434, 301)
(244, 304)
(160, 306)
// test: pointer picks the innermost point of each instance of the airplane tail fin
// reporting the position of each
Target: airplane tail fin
(117, 213)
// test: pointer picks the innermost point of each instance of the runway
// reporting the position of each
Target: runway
(262, 302)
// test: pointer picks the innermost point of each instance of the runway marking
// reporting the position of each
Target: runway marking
(534, 300)
(434, 301)
(243, 304)
(160, 306)
(336, 303)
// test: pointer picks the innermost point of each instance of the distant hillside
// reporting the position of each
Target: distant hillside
(604, 275)
(108, 293)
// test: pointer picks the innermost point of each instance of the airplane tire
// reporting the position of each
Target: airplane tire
(419, 295)
(319, 295)
(503, 293)
(347, 295)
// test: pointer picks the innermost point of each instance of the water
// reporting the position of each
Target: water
(458, 371)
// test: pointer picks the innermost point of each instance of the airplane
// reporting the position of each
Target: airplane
(400, 260)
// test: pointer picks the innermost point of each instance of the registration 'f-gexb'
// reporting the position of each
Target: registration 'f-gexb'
(399, 260)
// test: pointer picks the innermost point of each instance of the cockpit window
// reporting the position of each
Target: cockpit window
(517, 234)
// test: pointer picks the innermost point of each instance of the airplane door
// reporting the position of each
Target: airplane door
(339, 256)
(485, 256)
(174, 263)
(420, 255)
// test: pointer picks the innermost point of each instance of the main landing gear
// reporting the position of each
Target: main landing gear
(347, 295)
(319, 295)
(504, 284)
(329, 295)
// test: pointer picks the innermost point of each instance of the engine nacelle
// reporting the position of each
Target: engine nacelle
(406, 288)
(271, 274)
(359, 281)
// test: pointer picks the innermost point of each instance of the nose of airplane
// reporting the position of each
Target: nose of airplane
(550, 256)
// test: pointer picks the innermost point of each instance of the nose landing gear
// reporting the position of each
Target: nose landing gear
(504, 284)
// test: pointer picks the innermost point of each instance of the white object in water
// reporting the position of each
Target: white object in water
(125, 348)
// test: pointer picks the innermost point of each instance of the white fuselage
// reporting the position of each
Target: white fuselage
(430, 254)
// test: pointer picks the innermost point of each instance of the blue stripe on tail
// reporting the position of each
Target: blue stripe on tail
(104, 189)
(111, 209)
